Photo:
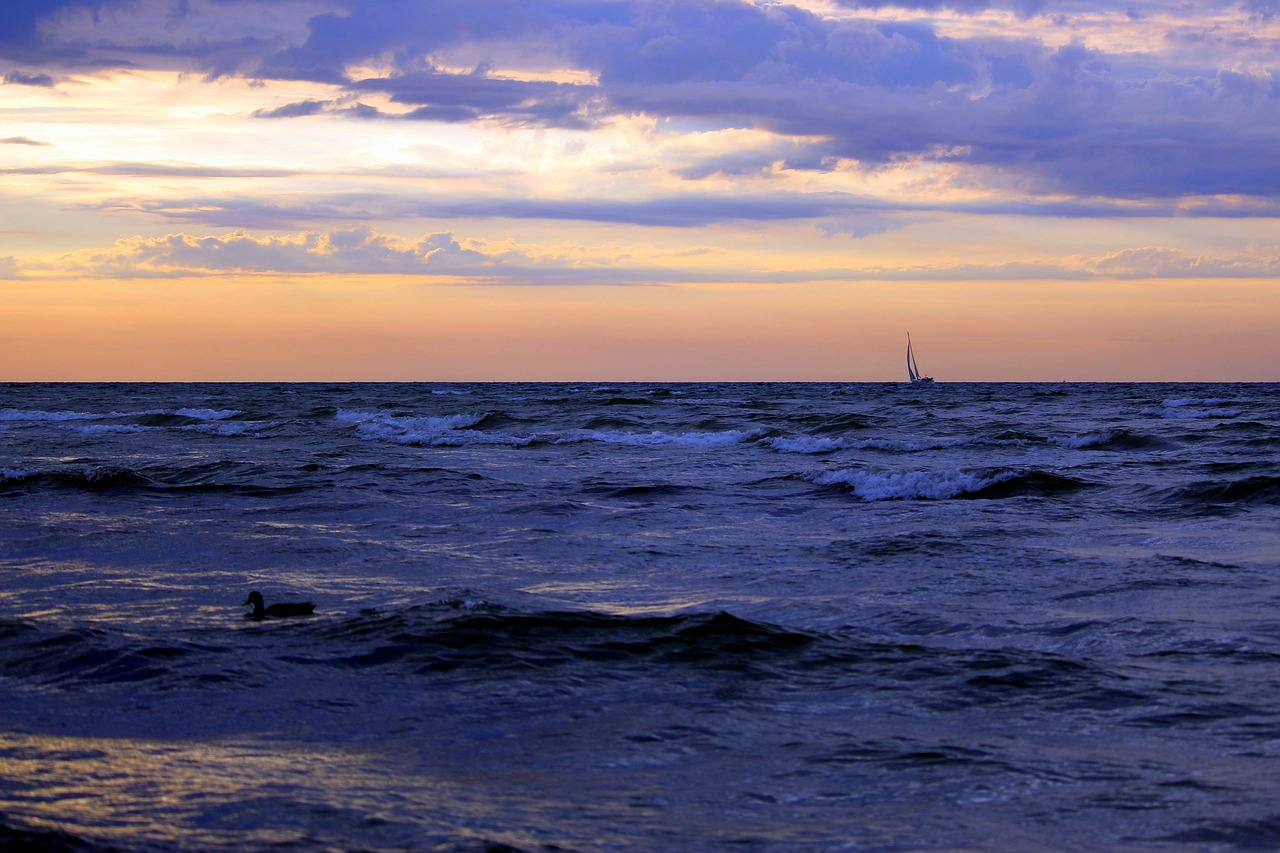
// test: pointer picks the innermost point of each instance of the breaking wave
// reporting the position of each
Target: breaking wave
(873, 486)
(447, 431)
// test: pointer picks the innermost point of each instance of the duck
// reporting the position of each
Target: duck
(292, 608)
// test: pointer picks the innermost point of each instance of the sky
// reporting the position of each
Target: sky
(639, 190)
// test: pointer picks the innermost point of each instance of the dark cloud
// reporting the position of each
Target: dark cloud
(831, 211)
(1039, 119)
(407, 30)
(22, 140)
(675, 211)
(26, 78)
(341, 106)
(296, 110)
(19, 18)
(439, 96)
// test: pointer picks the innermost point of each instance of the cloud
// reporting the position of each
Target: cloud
(339, 251)
(21, 140)
(360, 250)
(448, 97)
(1158, 262)
(833, 212)
(26, 78)
(143, 170)
(296, 110)
(688, 211)
(19, 21)
(1015, 107)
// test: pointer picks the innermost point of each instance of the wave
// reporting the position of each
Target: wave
(827, 424)
(1210, 497)
(16, 837)
(37, 655)
(89, 478)
(638, 493)
(470, 638)
(874, 486)
(225, 477)
(210, 421)
(804, 444)
(817, 444)
(1181, 402)
(628, 401)
(1195, 408)
(1112, 439)
(659, 438)
(501, 640)
(901, 445)
(1261, 834)
(447, 431)
(26, 416)
(417, 639)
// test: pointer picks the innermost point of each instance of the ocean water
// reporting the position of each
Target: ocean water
(747, 617)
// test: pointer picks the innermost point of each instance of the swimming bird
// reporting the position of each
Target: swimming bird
(295, 608)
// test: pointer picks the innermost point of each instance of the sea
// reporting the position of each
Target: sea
(640, 617)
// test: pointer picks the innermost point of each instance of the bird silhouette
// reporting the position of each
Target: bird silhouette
(282, 609)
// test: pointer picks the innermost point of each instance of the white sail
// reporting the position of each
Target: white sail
(913, 370)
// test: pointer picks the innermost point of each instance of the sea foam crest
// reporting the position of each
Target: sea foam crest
(873, 486)
(1086, 440)
(816, 444)
(655, 438)
(804, 444)
(106, 429)
(447, 431)
(896, 445)
(20, 416)
(208, 414)
(1179, 402)
(222, 429)
(1194, 408)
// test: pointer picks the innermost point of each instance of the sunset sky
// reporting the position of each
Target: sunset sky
(639, 190)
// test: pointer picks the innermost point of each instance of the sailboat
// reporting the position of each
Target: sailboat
(912, 369)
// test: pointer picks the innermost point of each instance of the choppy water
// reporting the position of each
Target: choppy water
(677, 617)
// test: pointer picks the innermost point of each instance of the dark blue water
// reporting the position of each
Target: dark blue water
(641, 617)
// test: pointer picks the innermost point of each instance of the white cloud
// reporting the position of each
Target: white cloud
(349, 250)
(359, 250)
(1158, 262)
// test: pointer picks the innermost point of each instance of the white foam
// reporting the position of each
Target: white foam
(658, 438)
(1177, 403)
(105, 429)
(19, 415)
(1089, 439)
(221, 428)
(447, 431)
(873, 486)
(804, 444)
(208, 414)
(905, 446)
(816, 444)
(1183, 410)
